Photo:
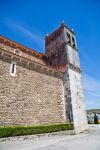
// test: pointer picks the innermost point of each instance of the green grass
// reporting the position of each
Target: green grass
(10, 131)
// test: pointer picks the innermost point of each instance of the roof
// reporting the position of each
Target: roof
(62, 68)
(20, 46)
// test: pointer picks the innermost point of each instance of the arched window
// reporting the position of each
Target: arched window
(73, 41)
(68, 38)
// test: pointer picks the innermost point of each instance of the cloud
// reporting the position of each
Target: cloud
(92, 92)
(36, 37)
(91, 85)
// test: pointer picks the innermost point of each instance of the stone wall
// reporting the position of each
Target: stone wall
(77, 100)
(29, 97)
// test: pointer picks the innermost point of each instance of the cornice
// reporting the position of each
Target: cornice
(16, 45)
(75, 68)
(69, 29)
(58, 30)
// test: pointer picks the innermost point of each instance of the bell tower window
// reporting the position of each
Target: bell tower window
(73, 41)
(68, 38)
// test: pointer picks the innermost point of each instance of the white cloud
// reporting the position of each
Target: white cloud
(92, 92)
(21, 29)
(91, 85)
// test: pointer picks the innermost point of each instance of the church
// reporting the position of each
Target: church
(42, 88)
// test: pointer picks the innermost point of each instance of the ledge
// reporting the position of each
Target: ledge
(71, 46)
(75, 68)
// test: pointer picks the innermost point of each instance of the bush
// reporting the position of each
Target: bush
(29, 130)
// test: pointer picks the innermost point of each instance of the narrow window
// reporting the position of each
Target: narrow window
(68, 38)
(73, 41)
(13, 68)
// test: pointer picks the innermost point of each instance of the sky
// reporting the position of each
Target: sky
(28, 21)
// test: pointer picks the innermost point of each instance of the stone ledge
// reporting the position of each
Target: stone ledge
(75, 68)
(36, 136)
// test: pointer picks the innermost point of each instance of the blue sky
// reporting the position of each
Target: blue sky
(27, 22)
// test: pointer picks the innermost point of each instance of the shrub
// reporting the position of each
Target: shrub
(28, 130)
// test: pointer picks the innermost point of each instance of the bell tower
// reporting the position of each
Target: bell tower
(61, 49)
(55, 47)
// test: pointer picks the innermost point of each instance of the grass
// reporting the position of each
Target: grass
(9, 131)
